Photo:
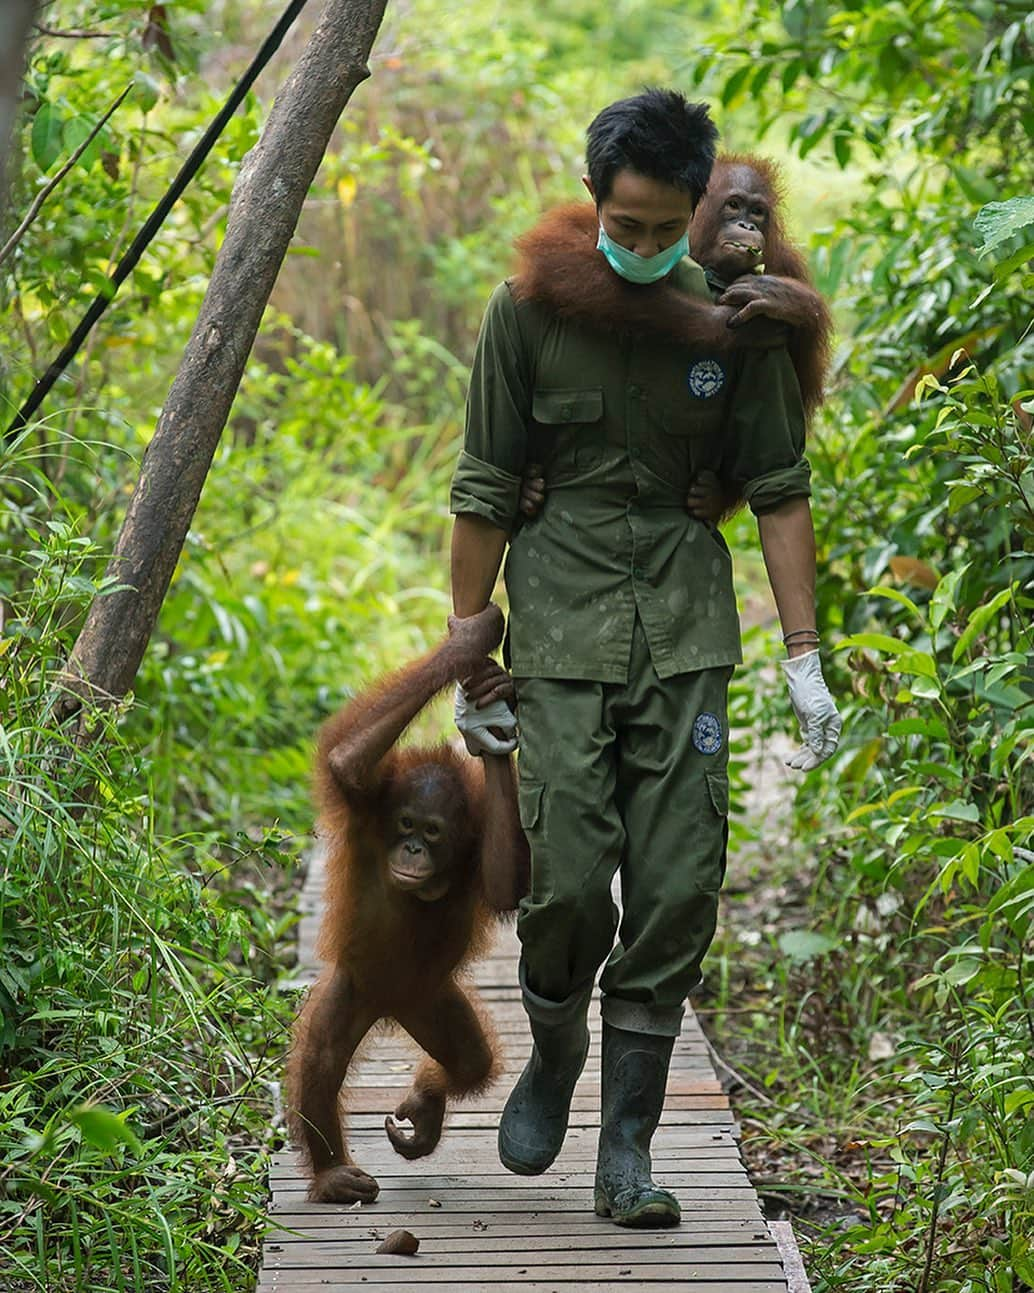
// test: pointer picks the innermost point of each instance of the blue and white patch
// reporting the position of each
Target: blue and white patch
(705, 378)
(707, 733)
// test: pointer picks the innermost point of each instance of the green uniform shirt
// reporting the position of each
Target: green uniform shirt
(621, 425)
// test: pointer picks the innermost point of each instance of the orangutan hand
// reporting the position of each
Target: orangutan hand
(756, 296)
(705, 499)
(533, 490)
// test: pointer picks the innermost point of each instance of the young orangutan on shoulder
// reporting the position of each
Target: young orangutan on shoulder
(757, 278)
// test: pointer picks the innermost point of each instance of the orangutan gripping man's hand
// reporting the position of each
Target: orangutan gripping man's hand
(756, 296)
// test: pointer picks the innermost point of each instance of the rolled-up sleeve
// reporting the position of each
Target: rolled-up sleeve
(487, 480)
(764, 453)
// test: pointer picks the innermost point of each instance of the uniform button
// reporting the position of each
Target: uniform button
(565, 412)
(635, 391)
(638, 572)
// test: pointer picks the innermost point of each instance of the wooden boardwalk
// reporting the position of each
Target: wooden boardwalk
(480, 1228)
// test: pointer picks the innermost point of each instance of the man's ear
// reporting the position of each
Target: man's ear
(588, 184)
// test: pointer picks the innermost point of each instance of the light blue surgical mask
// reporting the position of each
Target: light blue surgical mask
(641, 269)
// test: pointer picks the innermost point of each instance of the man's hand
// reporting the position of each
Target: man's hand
(490, 729)
(815, 709)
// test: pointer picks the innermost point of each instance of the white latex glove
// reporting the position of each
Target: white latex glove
(474, 723)
(815, 709)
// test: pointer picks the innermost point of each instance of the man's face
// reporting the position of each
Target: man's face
(643, 215)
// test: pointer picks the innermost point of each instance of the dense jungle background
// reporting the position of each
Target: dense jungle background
(871, 991)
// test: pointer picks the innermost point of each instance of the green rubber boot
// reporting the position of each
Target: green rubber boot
(635, 1071)
(534, 1121)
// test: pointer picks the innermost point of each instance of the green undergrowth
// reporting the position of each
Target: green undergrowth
(145, 913)
(873, 989)
(140, 1022)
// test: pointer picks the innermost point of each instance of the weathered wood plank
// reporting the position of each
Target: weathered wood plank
(385, 1268)
(716, 1247)
(416, 1204)
(476, 1119)
(621, 1277)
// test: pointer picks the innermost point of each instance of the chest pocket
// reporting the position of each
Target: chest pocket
(690, 439)
(567, 431)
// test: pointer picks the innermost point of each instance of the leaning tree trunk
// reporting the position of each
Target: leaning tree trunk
(264, 208)
(15, 21)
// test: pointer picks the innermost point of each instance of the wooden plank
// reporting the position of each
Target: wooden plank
(374, 1099)
(404, 1211)
(546, 1228)
(385, 1267)
(715, 1184)
(621, 1277)
(474, 1119)
(718, 1246)
(705, 1166)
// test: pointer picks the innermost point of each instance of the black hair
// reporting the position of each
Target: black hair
(656, 133)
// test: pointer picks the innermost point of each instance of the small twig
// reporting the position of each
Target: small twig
(756, 1092)
(73, 33)
(51, 185)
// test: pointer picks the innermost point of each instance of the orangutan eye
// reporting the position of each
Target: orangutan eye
(405, 824)
(431, 831)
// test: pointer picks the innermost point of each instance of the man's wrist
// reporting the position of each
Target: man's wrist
(801, 642)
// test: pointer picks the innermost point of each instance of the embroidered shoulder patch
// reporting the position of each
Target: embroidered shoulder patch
(707, 733)
(705, 378)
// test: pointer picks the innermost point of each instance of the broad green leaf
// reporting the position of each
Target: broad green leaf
(1018, 887)
(916, 662)
(791, 72)
(104, 1129)
(979, 620)
(921, 1124)
(998, 221)
(75, 132)
(943, 599)
(145, 91)
(961, 971)
(735, 83)
(895, 595)
(1022, 256)
(958, 810)
(46, 136)
(874, 641)
(804, 945)
(932, 727)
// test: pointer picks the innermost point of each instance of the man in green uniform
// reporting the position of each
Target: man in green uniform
(623, 634)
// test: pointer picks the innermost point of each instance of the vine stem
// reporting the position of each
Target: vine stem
(942, 1159)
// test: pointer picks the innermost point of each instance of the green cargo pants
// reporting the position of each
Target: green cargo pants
(632, 776)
